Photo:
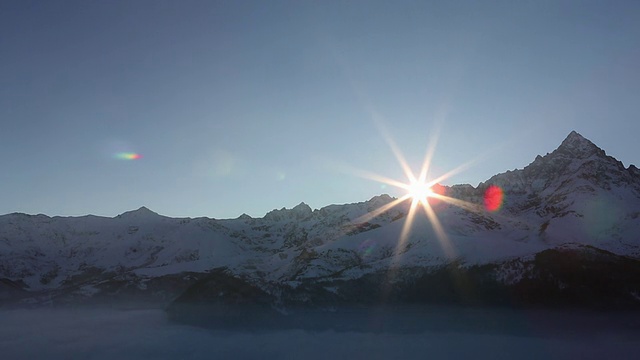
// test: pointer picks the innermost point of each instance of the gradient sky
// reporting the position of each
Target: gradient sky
(246, 106)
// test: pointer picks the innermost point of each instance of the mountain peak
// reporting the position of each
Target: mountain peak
(576, 145)
(576, 156)
(141, 213)
(380, 200)
(576, 135)
(574, 138)
(299, 211)
(244, 216)
(145, 210)
(302, 211)
(302, 207)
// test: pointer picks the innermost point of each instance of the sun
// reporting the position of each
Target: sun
(423, 192)
(419, 191)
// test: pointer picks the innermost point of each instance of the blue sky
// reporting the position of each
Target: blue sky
(247, 106)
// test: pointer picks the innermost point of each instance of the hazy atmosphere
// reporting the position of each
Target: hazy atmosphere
(352, 179)
(218, 108)
(146, 334)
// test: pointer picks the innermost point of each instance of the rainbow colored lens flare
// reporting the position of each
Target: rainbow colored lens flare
(366, 248)
(128, 156)
(493, 198)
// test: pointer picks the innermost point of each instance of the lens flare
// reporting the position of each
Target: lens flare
(128, 156)
(436, 194)
(366, 248)
(493, 198)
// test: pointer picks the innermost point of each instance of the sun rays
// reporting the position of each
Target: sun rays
(422, 191)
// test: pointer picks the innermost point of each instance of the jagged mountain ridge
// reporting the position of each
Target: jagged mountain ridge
(572, 198)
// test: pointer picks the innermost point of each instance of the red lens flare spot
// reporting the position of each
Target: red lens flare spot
(493, 198)
(436, 190)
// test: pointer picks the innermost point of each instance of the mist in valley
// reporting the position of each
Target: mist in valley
(430, 332)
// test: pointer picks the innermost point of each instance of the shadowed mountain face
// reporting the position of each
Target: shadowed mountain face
(564, 233)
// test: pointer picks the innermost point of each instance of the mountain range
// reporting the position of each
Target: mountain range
(567, 233)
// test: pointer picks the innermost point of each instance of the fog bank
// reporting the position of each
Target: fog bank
(148, 334)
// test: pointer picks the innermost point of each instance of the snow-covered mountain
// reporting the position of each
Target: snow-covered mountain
(575, 204)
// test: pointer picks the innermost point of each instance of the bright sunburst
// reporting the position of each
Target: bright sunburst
(421, 193)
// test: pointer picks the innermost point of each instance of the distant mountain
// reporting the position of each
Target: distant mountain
(567, 233)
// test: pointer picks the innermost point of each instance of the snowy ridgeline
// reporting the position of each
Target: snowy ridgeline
(575, 204)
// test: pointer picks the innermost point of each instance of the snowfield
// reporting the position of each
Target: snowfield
(575, 197)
